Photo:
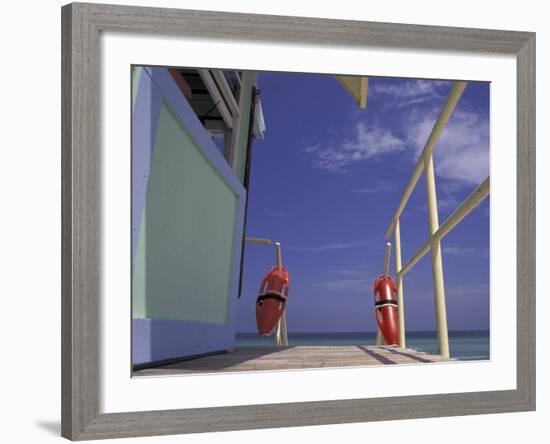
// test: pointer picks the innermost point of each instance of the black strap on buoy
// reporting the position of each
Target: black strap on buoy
(271, 295)
(380, 304)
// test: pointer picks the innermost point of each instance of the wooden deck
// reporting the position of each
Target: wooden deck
(298, 357)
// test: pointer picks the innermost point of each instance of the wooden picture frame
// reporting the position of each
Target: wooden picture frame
(81, 168)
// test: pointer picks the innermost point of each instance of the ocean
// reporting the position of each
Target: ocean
(464, 345)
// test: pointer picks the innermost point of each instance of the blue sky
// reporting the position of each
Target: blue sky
(326, 181)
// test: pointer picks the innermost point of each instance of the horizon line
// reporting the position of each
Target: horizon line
(373, 332)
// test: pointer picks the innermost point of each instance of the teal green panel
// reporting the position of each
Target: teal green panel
(184, 256)
(139, 273)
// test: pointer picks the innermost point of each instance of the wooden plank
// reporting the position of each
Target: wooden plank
(262, 358)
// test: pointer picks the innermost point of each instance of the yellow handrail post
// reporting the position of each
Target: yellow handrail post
(437, 263)
(283, 329)
(277, 335)
(379, 338)
(281, 335)
(399, 283)
(278, 259)
(258, 240)
(387, 260)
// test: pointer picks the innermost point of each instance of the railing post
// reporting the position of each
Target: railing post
(387, 260)
(277, 336)
(278, 259)
(284, 332)
(399, 283)
(379, 338)
(437, 263)
(281, 336)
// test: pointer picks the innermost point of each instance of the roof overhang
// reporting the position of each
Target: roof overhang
(357, 87)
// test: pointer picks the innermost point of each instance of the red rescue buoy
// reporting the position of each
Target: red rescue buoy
(271, 302)
(385, 305)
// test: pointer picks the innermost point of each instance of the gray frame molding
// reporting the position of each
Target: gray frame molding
(81, 25)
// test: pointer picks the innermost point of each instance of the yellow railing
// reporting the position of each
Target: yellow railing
(437, 232)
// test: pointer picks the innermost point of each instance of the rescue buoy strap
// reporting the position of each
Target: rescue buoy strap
(380, 304)
(271, 295)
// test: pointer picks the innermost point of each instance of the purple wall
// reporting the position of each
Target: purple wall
(159, 339)
(145, 117)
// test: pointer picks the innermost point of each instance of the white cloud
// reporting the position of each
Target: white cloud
(468, 291)
(355, 279)
(328, 247)
(462, 153)
(377, 187)
(346, 285)
(356, 271)
(446, 202)
(350, 280)
(466, 251)
(366, 143)
(408, 92)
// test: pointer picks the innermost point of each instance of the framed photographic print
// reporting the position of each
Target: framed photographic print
(277, 221)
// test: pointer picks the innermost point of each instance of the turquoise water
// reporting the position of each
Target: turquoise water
(464, 345)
